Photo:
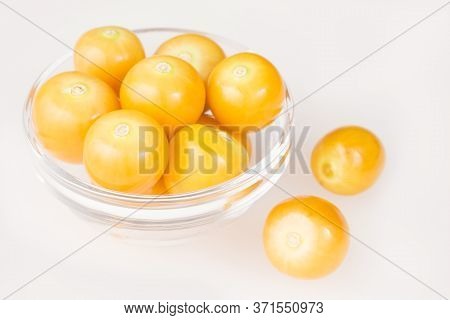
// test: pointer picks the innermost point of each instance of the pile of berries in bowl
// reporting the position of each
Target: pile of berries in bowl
(155, 129)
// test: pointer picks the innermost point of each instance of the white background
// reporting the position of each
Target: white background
(401, 93)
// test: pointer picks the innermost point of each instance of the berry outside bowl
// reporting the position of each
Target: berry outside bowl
(166, 218)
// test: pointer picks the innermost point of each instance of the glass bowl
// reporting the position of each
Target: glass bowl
(166, 217)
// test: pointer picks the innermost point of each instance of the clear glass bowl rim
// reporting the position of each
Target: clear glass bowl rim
(73, 182)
